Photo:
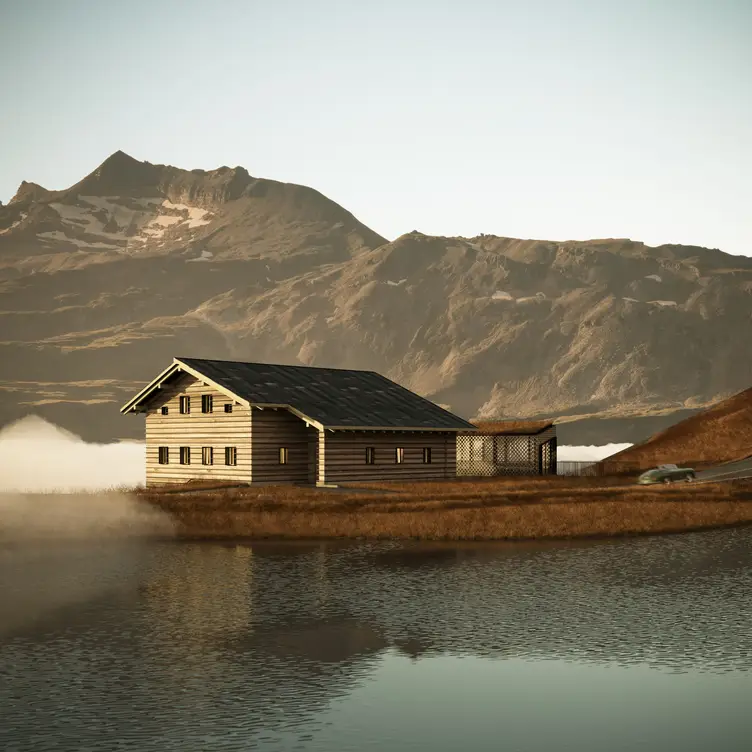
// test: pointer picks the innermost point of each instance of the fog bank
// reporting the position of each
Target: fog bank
(588, 453)
(40, 456)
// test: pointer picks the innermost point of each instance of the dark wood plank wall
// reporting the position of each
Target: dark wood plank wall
(345, 456)
(272, 429)
(196, 430)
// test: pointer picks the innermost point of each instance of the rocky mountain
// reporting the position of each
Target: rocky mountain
(102, 283)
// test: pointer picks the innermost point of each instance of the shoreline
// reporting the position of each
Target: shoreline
(511, 510)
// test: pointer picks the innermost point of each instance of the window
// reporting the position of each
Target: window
(399, 454)
(164, 455)
(207, 403)
(426, 455)
(207, 456)
(228, 408)
(231, 455)
(165, 410)
(370, 455)
(185, 405)
(283, 454)
(185, 455)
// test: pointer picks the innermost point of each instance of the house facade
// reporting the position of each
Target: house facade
(515, 447)
(266, 423)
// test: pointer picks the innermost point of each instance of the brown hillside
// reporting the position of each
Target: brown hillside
(721, 433)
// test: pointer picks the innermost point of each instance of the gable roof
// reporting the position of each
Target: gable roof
(326, 397)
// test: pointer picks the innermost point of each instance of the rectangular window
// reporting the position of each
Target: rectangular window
(231, 455)
(370, 455)
(283, 455)
(185, 405)
(207, 403)
(165, 410)
(228, 408)
(426, 455)
(164, 455)
(207, 456)
(185, 455)
(399, 455)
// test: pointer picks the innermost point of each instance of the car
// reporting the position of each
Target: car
(667, 474)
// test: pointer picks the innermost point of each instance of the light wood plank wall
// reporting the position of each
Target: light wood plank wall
(196, 430)
(345, 456)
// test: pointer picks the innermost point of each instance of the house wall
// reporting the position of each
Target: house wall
(272, 429)
(485, 454)
(345, 456)
(196, 430)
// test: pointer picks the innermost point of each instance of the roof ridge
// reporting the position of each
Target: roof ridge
(277, 365)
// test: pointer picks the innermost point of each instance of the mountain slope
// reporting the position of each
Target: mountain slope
(101, 283)
(721, 433)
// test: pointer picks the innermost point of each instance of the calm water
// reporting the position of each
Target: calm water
(631, 645)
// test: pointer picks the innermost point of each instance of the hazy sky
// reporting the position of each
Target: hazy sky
(556, 120)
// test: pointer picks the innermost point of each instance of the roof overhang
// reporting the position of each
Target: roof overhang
(138, 403)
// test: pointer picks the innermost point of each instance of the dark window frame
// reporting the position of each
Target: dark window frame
(207, 451)
(185, 455)
(207, 403)
(231, 456)
(163, 455)
(228, 407)
(165, 410)
(427, 455)
(399, 455)
(370, 455)
(284, 456)
(185, 404)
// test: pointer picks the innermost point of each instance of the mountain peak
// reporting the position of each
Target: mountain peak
(29, 192)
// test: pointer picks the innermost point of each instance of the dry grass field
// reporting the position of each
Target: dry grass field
(722, 433)
(489, 509)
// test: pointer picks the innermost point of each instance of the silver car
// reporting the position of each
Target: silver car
(667, 474)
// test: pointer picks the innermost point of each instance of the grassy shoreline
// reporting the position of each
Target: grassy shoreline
(513, 509)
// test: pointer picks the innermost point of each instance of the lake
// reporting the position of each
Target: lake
(637, 644)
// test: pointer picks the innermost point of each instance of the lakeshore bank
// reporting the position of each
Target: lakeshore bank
(510, 508)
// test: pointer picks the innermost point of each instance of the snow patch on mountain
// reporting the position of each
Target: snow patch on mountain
(15, 224)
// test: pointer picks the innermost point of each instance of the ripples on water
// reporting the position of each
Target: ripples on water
(207, 646)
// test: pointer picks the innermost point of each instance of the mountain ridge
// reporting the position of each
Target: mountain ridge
(107, 279)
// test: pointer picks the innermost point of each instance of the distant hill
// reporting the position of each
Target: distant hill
(103, 282)
(721, 433)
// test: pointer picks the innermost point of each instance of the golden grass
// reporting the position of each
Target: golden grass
(721, 433)
(497, 509)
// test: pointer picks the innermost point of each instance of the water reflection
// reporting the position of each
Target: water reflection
(246, 647)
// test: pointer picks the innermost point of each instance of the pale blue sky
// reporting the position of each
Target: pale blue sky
(556, 120)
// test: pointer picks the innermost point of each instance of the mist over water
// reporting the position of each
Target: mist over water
(70, 545)
(40, 456)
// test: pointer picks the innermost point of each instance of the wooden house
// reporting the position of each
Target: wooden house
(514, 447)
(264, 423)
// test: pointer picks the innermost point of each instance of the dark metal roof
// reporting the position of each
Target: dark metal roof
(332, 396)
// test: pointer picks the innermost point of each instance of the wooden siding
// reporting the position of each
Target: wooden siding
(217, 429)
(345, 456)
(272, 429)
